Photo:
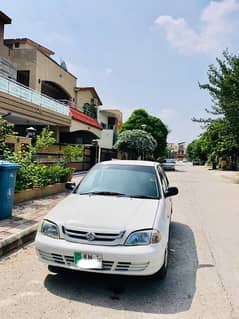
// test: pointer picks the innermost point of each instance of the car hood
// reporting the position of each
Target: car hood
(105, 212)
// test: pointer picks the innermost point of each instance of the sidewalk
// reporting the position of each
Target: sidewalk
(22, 226)
(230, 176)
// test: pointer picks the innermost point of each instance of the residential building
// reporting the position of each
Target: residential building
(176, 150)
(181, 151)
(85, 125)
(111, 121)
(37, 91)
(172, 149)
(27, 105)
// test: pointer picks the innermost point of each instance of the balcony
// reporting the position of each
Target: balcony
(22, 92)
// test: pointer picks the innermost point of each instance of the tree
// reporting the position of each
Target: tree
(140, 119)
(136, 143)
(223, 88)
(215, 144)
(196, 150)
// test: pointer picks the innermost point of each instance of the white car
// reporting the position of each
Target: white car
(116, 221)
(169, 164)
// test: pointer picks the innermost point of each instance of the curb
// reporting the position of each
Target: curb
(18, 240)
(233, 179)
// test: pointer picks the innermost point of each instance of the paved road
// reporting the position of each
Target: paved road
(203, 277)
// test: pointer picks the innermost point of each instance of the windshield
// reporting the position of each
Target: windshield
(169, 161)
(123, 180)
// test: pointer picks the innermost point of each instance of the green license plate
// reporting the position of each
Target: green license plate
(88, 261)
(77, 258)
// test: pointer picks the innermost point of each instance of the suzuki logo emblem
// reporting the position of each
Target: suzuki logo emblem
(90, 236)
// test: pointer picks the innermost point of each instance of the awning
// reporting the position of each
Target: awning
(83, 118)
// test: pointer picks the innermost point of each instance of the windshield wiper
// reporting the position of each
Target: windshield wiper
(143, 196)
(103, 193)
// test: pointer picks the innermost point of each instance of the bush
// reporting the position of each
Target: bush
(58, 173)
(72, 153)
(39, 176)
(5, 129)
(34, 175)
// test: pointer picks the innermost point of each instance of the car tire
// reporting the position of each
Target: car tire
(161, 274)
(56, 269)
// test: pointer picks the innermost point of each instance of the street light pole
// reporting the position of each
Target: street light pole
(99, 153)
(143, 128)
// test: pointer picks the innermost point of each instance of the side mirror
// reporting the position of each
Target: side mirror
(171, 191)
(70, 185)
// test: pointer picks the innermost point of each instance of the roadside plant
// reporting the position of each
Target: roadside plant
(72, 153)
(6, 128)
(32, 174)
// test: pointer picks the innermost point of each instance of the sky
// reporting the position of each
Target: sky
(147, 54)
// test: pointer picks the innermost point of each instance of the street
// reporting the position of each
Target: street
(203, 276)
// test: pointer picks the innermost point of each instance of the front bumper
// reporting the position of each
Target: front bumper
(118, 260)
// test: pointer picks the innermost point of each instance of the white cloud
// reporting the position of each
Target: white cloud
(217, 24)
(108, 71)
(166, 114)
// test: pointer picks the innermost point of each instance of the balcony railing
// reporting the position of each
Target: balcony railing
(18, 90)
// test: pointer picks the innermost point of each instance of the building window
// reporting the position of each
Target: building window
(17, 45)
(111, 123)
(90, 110)
(23, 77)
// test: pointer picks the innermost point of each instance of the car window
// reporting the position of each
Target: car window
(163, 178)
(131, 180)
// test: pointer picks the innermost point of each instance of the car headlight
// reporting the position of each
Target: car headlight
(50, 229)
(143, 237)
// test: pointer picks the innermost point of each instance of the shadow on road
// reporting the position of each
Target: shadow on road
(173, 295)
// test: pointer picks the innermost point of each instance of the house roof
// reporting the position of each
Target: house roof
(36, 45)
(89, 88)
(47, 52)
(113, 113)
(83, 118)
(4, 18)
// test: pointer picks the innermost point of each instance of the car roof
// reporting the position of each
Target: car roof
(130, 162)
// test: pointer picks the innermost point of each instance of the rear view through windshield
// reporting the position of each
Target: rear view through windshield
(129, 180)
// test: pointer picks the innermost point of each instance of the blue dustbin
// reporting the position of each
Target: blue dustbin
(8, 172)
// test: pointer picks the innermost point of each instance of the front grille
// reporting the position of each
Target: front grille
(59, 259)
(108, 265)
(91, 237)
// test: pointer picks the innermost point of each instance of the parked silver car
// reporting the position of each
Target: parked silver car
(169, 164)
